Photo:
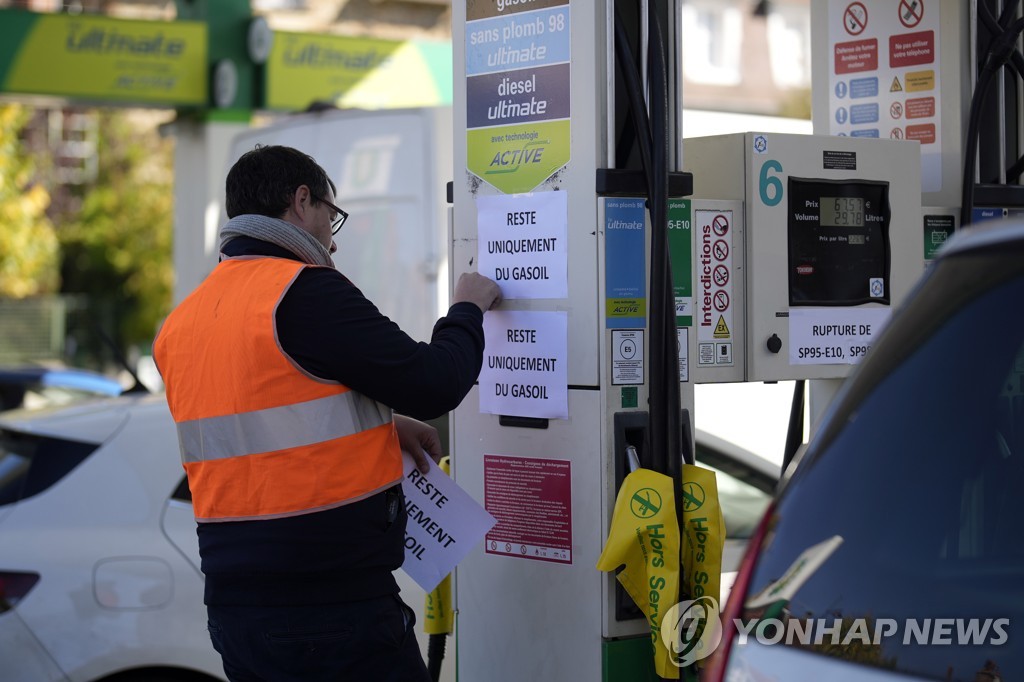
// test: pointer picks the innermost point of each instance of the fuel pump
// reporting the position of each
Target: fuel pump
(567, 141)
(829, 243)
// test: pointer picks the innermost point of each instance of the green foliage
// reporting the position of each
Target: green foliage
(117, 246)
(28, 244)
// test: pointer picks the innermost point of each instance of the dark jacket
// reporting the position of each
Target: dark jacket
(332, 331)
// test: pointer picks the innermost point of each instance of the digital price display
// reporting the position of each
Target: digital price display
(841, 211)
(838, 242)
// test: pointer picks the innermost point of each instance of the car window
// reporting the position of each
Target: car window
(182, 493)
(30, 464)
(742, 504)
(923, 485)
(38, 397)
(35, 388)
(743, 492)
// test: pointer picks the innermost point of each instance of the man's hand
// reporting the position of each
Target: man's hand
(473, 287)
(415, 437)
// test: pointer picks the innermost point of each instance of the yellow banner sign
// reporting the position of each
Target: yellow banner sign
(350, 72)
(644, 537)
(148, 62)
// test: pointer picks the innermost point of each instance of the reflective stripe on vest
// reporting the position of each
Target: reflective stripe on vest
(260, 438)
(295, 481)
(280, 428)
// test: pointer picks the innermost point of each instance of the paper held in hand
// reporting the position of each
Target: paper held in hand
(444, 524)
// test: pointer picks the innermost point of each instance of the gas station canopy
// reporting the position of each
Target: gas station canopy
(191, 64)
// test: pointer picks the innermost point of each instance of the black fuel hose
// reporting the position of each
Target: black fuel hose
(435, 654)
(652, 137)
(665, 402)
(1001, 51)
(634, 93)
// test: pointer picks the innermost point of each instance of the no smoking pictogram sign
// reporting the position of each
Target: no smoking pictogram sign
(911, 12)
(855, 19)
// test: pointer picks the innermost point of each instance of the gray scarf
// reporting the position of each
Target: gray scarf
(280, 233)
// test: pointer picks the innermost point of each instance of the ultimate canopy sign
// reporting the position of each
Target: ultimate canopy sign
(367, 73)
(168, 63)
(92, 57)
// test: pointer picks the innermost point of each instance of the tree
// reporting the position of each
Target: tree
(117, 243)
(28, 242)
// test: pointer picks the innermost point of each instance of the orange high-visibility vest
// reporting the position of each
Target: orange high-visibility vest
(260, 437)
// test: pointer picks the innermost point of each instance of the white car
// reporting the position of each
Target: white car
(99, 560)
(746, 486)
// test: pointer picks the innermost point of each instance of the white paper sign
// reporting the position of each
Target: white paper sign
(525, 372)
(833, 336)
(627, 357)
(444, 524)
(523, 243)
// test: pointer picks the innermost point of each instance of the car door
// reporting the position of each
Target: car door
(179, 523)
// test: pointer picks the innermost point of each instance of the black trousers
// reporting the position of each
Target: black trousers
(371, 639)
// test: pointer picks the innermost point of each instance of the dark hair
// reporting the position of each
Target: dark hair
(263, 181)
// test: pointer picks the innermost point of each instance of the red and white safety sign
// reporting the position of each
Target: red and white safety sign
(714, 287)
(884, 70)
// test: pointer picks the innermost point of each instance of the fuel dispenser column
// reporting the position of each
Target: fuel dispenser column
(565, 386)
(831, 242)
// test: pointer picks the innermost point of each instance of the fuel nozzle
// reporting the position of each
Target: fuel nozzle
(632, 458)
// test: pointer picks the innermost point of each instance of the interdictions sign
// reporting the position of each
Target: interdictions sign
(525, 370)
(714, 287)
(444, 524)
(523, 243)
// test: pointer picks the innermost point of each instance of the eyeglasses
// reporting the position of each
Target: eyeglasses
(337, 222)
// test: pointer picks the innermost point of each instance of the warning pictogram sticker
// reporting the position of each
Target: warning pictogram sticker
(722, 329)
(855, 19)
(896, 87)
(896, 110)
(721, 275)
(721, 301)
(911, 12)
(896, 133)
(720, 249)
(720, 225)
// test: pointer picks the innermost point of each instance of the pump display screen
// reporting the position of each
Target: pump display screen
(841, 211)
(838, 242)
